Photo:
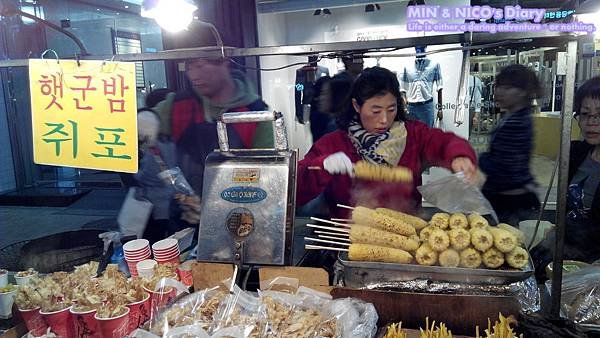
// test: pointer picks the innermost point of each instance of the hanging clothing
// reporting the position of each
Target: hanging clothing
(418, 82)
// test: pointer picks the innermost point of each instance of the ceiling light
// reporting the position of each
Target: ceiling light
(171, 15)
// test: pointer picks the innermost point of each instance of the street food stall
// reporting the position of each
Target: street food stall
(393, 271)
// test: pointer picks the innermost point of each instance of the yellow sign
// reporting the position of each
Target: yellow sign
(84, 115)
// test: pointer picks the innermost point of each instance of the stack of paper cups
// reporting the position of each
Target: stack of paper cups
(166, 251)
(136, 251)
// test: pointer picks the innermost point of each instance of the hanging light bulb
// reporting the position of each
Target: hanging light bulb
(172, 15)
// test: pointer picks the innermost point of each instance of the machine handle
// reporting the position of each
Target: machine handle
(279, 131)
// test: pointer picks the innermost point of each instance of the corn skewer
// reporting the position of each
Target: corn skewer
(318, 247)
(333, 237)
(342, 220)
(346, 235)
(328, 228)
(376, 172)
(345, 206)
(325, 241)
(330, 222)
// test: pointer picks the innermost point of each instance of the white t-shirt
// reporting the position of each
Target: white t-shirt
(418, 82)
(474, 91)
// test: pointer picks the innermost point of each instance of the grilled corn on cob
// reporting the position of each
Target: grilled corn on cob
(481, 239)
(470, 258)
(374, 172)
(410, 219)
(425, 255)
(449, 258)
(460, 239)
(425, 233)
(493, 258)
(362, 234)
(477, 221)
(519, 235)
(438, 240)
(458, 221)
(517, 258)
(369, 217)
(374, 253)
(440, 220)
(504, 240)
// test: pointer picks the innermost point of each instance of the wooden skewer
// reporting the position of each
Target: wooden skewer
(336, 238)
(318, 247)
(331, 222)
(345, 206)
(343, 234)
(325, 241)
(342, 219)
(314, 168)
(328, 228)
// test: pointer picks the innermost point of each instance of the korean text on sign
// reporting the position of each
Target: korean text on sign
(84, 115)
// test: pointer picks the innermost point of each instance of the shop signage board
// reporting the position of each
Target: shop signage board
(84, 114)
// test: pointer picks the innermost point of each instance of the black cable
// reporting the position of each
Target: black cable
(246, 277)
(272, 69)
(539, 218)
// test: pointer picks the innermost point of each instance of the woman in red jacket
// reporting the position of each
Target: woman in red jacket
(375, 129)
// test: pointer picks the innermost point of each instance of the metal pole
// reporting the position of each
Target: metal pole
(563, 172)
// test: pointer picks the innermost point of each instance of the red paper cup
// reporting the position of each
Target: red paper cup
(136, 245)
(184, 271)
(60, 322)
(115, 327)
(162, 297)
(166, 243)
(34, 321)
(172, 260)
(84, 324)
(139, 312)
(167, 253)
(165, 258)
(139, 257)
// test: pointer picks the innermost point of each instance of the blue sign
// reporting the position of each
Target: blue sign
(243, 194)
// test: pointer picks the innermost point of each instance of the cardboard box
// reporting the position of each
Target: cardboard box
(207, 275)
(16, 332)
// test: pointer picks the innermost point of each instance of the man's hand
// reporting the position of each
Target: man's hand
(465, 165)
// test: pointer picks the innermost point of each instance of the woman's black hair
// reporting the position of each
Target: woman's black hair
(374, 81)
(589, 89)
(522, 77)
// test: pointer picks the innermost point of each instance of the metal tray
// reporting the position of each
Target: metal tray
(361, 274)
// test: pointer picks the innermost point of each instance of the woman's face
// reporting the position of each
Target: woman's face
(589, 120)
(510, 98)
(377, 113)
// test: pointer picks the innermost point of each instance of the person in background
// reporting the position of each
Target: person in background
(582, 233)
(331, 95)
(156, 155)
(510, 187)
(374, 128)
(190, 115)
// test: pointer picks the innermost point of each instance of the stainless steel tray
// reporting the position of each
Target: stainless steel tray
(361, 274)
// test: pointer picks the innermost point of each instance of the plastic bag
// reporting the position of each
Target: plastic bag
(241, 309)
(187, 201)
(196, 309)
(580, 300)
(355, 318)
(453, 194)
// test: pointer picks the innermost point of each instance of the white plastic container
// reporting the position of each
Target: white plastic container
(6, 302)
